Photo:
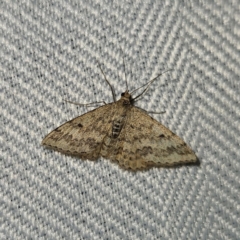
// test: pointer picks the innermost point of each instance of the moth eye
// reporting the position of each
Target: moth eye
(122, 94)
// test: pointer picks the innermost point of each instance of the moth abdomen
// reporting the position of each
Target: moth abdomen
(117, 126)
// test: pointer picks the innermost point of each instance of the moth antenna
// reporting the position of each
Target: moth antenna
(125, 74)
(148, 84)
(113, 93)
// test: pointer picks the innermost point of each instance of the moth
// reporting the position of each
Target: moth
(123, 133)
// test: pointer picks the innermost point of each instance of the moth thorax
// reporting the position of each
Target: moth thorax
(117, 127)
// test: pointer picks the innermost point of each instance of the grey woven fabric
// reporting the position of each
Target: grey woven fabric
(50, 51)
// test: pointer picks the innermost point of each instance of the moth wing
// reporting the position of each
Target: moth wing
(144, 142)
(83, 135)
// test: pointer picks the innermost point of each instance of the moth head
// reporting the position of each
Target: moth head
(127, 98)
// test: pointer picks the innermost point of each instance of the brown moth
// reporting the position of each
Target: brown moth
(123, 133)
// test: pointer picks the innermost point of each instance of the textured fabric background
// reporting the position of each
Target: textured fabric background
(49, 52)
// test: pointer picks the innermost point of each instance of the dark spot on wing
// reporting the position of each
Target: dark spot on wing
(57, 129)
(180, 149)
(145, 151)
(92, 142)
